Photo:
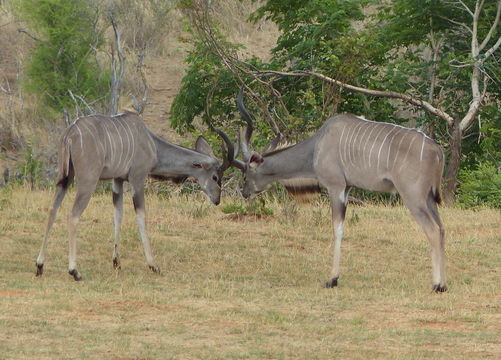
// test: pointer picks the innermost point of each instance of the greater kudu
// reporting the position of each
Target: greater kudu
(122, 148)
(349, 151)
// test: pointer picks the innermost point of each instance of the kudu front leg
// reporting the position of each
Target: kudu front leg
(117, 191)
(139, 207)
(338, 208)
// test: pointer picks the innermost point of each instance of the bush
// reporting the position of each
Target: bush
(481, 186)
(63, 58)
(256, 207)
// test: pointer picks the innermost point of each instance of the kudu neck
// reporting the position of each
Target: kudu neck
(292, 162)
(173, 159)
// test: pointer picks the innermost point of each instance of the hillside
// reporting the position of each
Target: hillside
(20, 122)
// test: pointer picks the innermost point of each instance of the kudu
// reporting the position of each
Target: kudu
(122, 148)
(349, 151)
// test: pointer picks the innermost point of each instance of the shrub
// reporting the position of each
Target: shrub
(481, 186)
(63, 58)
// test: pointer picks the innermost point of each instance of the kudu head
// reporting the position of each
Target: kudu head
(208, 171)
(251, 166)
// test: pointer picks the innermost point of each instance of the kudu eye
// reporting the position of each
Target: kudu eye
(214, 177)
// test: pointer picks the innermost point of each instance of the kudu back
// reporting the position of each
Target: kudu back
(350, 151)
(121, 148)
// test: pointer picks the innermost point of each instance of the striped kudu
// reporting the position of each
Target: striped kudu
(349, 151)
(121, 148)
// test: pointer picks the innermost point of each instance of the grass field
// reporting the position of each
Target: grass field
(246, 288)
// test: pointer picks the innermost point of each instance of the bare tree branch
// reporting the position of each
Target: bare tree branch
(116, 78)
(492, 29)
(378, 93)
(200, 18)
(466, 7)
(458, 23)
(491, 50)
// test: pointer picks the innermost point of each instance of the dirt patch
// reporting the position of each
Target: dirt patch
(13, 293)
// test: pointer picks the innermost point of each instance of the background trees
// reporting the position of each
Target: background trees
(440, 54)
(63, 68)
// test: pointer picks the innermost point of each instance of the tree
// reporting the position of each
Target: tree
(449, 47)
(435, 55)
(63, 69)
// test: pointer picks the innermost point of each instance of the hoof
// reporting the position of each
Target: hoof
(331, 283)
(39, 269)
(75, 274)
(116, 264)
(439, 288)
(154, 269)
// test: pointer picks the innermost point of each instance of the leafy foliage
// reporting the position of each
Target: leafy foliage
(30, 170)
(419, 47)
(63, 58)
(255, 207)
(481, 186)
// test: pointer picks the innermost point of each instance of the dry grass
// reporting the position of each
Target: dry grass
(247, 289)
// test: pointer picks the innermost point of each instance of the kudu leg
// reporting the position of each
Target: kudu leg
(426, 215)
(118, 204)
(338, 208)
(139, 207)
(61, 190)
(82, 198)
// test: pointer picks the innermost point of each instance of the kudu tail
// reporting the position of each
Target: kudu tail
(435, 191)
(65, 165)
(435, 195)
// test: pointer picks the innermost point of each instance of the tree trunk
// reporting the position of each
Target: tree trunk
(452, 170)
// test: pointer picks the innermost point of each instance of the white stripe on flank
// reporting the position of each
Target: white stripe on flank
(98, 148)
(367, 142)
(407, 153)
(127, 142)
(362, 141)
(374, 143)
(151, 145)
(343, 146)
(121, 145)
(398, 147)
(339, 146)
(80, 133)
(98, 140)
(422, 148)
(389, 148)
(382, 144)
(353, 142)
(133, 145)
(112, 153)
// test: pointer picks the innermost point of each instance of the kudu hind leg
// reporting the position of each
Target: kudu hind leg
(338, 207)
(139, 207)
(118, 204)
(81, 201)
(61, 190)
(426, 215)
(58, 198)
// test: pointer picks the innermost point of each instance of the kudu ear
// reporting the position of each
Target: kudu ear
(255, 160)
(204, 166)
(273, 144)
(203, 147)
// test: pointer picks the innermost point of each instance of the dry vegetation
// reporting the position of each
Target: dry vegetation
(246, 289)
